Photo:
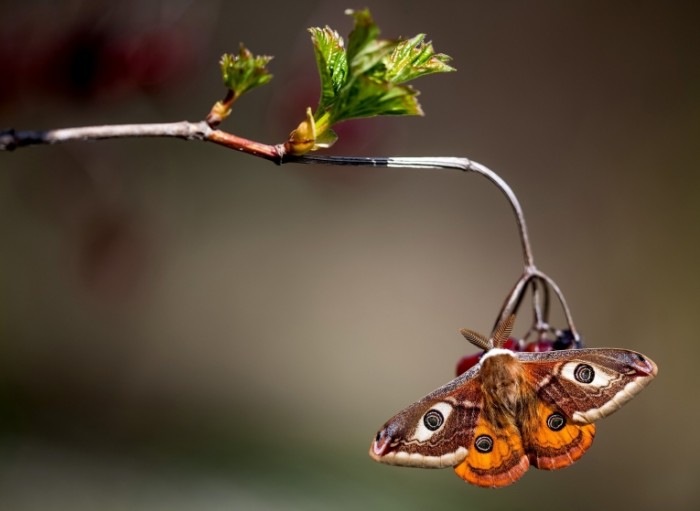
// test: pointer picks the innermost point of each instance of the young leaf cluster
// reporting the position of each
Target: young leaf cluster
(365, 79)
(244, 71)
(241, 73)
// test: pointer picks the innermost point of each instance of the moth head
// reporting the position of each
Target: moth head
(426, 434)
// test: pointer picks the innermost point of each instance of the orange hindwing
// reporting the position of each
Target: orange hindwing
(555, 441)
(496, 456)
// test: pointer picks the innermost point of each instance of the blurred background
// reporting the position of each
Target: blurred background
(186, 327)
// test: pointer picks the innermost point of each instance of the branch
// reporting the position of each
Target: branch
(11, 139)
(202, 131)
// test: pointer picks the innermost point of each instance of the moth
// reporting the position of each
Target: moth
(513, 410)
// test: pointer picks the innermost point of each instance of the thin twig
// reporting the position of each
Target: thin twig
(565, 306)
(11, 139)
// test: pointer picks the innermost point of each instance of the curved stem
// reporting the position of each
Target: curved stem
(447, 163)
(540, 306)
(512, 302)
(514, 298)
(565, 307)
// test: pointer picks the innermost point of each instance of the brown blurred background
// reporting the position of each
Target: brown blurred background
(185, 327)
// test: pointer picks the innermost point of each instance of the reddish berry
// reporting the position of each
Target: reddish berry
(467, 362)
(512, 344)
(539, 345)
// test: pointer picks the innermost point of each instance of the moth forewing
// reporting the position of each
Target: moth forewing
(588, 384)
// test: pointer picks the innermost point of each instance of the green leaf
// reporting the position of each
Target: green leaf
(364, 32)
(244, 71)
(364, 49)
(331, 61)
(366, 79)
(381, 98)
(413, 58)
